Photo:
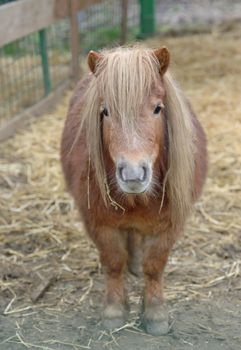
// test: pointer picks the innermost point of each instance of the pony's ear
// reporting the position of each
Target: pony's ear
(163, 57)
(93, 58)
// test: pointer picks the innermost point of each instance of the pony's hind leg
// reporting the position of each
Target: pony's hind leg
(135, 252)
(155, 314)
(113, 256)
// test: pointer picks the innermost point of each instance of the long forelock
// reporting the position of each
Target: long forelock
(125, 78)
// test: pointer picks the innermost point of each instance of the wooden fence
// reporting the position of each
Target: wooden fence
(21, 18)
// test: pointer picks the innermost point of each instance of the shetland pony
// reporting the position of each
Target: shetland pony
(134, 158)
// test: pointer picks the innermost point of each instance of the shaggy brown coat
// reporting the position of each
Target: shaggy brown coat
(129, 228)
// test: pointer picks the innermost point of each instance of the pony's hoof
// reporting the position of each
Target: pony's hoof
(156, 320)
(114, 317)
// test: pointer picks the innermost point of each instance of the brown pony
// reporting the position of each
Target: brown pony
(134, 158)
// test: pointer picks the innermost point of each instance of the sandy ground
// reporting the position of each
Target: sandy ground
(42, 240)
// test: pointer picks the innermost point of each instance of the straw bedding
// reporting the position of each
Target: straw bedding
(45, 257)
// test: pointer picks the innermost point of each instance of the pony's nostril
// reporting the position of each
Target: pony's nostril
(143, 172)
(121, 173)
(132, 173)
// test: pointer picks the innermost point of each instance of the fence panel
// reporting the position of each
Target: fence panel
(41, 46)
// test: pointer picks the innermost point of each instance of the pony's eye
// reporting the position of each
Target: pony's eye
(157, 110)
(105, 112)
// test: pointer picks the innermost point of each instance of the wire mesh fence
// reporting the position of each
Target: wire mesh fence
(100, 24)
(21, 69)
(35, 65)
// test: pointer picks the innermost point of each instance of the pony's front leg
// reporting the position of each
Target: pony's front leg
(155, 314)
(113, 255)
(135, 247)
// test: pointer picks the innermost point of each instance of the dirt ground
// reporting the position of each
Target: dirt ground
(51, 282)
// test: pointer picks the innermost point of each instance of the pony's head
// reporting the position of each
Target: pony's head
(136, 118)
(132, 112)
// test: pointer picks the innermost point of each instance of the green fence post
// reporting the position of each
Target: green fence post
(147, 18)
(44, 61)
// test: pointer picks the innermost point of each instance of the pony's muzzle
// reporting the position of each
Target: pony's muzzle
(133, 178)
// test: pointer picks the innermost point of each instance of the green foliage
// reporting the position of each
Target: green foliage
(11, 49)
(100, 38)
(22, 47)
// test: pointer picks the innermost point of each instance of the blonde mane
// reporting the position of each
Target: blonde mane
(123, 78)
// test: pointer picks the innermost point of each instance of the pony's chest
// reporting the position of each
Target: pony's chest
(145, 221)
